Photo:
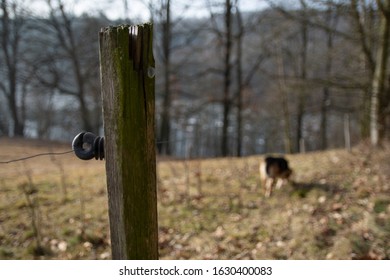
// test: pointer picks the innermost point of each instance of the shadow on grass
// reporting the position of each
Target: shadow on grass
(303, 188)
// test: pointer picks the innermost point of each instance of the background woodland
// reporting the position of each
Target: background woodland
(291, 76)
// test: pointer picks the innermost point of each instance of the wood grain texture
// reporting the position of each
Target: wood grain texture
(126, 58)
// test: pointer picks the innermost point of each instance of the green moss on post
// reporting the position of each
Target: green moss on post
(127, 79)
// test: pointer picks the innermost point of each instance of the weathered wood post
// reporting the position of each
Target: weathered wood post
(127, 80)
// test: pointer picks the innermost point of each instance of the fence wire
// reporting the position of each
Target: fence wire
(33, 156)
(67, 152)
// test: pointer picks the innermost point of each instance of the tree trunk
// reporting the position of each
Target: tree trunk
(303, 73)
(332, 22)
(377, 118)
(227, 76)
(240, 85)
(10, 42)
(163, 144)
(359, 13)
(324, 117)
(284, 100)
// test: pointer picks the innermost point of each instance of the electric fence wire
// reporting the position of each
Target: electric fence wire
(63, 153)
(37, 155)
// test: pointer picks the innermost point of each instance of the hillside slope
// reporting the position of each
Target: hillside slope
(55, 207)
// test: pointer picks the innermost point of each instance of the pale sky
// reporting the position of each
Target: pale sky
(137, 9)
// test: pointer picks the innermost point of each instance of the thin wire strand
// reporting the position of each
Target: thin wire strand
(67, 152)
(33, 156)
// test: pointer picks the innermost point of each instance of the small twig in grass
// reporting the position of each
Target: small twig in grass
(198, 175)
(82, 208)
(29, 190)
(63, 182)
(187, 172)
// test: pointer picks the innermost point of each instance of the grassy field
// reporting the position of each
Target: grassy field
(55, 207)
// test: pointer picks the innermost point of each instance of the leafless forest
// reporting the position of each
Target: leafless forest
(288, 76)
(232, 84)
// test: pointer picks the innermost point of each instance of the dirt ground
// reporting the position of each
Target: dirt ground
(55, 207)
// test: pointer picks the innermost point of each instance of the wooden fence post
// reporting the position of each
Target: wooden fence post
(127, 81)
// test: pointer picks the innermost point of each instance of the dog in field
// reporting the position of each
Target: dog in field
(274, 171)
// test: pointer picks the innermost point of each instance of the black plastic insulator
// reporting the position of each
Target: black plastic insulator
(87, 145)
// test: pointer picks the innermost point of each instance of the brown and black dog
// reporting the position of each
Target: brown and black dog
(274, 170)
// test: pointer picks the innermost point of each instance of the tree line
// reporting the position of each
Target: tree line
(293, 76)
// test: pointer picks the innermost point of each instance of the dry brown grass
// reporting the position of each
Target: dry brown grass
(208, 209)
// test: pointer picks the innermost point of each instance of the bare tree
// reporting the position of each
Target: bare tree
(283, 91)
(225, 39)
(379, 100)
(302, 94)
(239, 77)
(176, 54)
(71, 64)
(331, 19)
(244, 75)
(376, 57)
(165, 127)
(362, 20)
(320, 72)
(12, 31)
(227, 99)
